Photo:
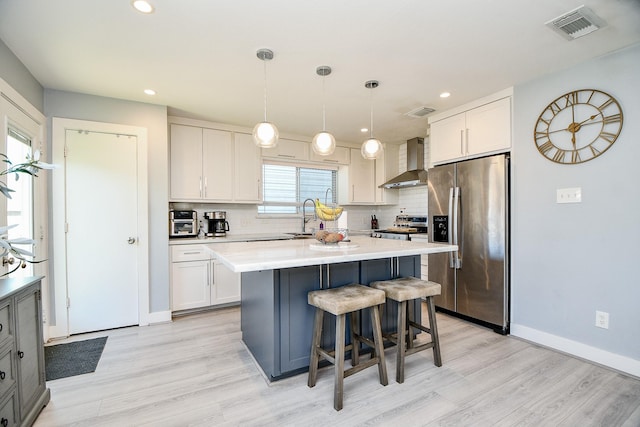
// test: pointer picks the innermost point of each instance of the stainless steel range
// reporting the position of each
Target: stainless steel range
(404, 227)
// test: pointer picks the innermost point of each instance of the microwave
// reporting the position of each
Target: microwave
(183, 223)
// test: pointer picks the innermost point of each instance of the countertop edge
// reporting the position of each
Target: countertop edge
(221, 253)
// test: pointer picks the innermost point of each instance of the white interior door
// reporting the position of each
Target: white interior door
(101, 230)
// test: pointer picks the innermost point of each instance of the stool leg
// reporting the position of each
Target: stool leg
(410, 316)
(433, 327)
(379, 345)
(355, 338)
(338, 388)
(315, 343)
(402, 333)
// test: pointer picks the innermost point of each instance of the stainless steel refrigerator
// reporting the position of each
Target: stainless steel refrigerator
(469, 207)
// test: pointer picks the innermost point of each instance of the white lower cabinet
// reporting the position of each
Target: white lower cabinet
(198, 281)
(190, 284)
(226, 288)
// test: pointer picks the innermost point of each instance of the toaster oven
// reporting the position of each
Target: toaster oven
(183, 223)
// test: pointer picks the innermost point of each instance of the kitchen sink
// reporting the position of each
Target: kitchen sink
(301, 235)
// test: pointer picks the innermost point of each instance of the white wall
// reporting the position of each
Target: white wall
(19, 78)
(569, 260)
(154, 118)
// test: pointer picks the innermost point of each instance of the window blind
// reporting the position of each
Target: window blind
(285, 187)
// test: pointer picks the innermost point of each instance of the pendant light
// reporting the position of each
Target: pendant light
(372, 147)
(323, 143)
(265, 134)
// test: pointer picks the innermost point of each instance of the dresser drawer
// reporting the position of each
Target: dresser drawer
(181, 253)
(5, 325)
(7, 378)
(8, 412)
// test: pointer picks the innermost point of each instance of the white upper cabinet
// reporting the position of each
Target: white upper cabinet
(288, 149)
(341, 156)
(213, 165)
(483, 129)
(357, 181)
(386, 168)
(248, 170)
(217, 151)
(186, 163)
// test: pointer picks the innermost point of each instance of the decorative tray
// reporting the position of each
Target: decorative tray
(339, 246)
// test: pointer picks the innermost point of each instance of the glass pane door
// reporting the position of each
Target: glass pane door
(20, 205)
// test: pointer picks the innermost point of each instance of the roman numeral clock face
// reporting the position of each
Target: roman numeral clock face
(578, 126)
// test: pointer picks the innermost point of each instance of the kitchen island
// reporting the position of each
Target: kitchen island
(276, 320)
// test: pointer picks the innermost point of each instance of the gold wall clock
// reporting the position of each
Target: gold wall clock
(578, 126)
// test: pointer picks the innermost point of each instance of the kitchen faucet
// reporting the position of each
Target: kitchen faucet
(304, 213)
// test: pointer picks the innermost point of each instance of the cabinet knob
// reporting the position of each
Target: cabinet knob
(2, 375)
(4, 422)
(1, 327)
(21, 354)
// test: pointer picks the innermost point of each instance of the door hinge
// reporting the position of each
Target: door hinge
(66, 150)
(68, 302)
(66, 227)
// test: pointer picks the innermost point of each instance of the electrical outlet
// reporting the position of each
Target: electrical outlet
(569, 195)
(602, 319)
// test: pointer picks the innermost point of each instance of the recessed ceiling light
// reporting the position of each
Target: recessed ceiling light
(445, 95)
(150, 91)
(142, 6)
(363, 130)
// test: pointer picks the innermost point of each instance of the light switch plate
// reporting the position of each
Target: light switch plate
(569, 195)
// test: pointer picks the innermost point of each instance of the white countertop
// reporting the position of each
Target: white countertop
(230, 238)
(269, 255)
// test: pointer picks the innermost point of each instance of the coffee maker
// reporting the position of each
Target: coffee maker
(217, 225)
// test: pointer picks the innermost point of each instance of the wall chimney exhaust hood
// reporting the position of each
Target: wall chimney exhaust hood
(415, 174)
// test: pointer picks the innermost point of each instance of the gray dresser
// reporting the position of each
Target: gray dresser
(23, 391)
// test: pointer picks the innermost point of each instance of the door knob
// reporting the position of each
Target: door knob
(131, 240)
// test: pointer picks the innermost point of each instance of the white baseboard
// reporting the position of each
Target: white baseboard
(158, 317)
(593, 354)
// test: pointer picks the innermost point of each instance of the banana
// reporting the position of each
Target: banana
(327, 213)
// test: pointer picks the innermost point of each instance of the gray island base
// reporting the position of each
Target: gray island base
(277, 321)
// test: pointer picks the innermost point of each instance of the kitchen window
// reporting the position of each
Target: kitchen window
(285, 187)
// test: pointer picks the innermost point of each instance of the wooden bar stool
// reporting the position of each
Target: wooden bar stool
(407, 289)
(342, 301)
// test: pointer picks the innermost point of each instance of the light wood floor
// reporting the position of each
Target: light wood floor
(196, 371)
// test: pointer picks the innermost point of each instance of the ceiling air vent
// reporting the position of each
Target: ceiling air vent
(577, 23)
(419, 112)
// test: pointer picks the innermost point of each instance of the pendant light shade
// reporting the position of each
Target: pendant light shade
(372, 147)
(265, 134)
(323, 143)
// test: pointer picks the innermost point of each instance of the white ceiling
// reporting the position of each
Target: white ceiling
(200, 55)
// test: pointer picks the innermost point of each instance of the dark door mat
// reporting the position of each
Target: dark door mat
(74, 358)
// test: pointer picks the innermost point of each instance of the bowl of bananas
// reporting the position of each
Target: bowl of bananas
(327, 213)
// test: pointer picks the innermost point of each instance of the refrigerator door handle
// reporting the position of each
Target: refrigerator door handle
(450, 221)
(456, 222)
